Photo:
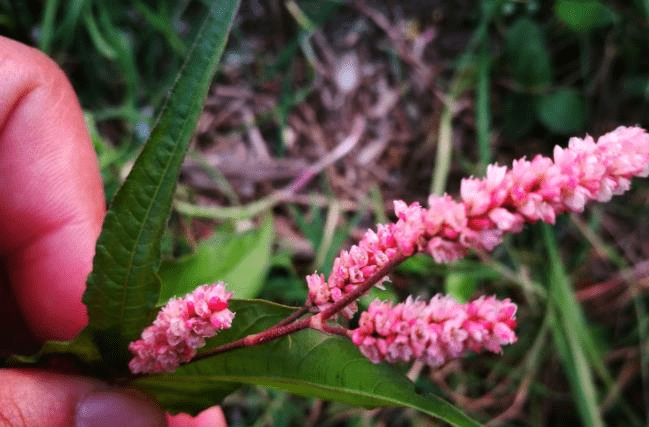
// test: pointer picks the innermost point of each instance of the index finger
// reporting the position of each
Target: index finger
(51, 198)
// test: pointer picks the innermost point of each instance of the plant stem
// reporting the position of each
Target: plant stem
(269, 334)
(294, 316)
(292, 324)
(336, 330)
(361, 289)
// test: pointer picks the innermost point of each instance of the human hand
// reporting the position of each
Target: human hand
(51, 212)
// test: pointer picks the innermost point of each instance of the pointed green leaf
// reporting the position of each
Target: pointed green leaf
(81, 348)
(239, 259)
(306, 363)
(123, 287)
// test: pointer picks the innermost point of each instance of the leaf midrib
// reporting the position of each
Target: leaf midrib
(138, 241)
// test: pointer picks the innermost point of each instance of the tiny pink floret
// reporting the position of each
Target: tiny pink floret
(181, 328)
(434, 331)
(502, 202)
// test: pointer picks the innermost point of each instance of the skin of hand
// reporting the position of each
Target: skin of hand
(51, 211)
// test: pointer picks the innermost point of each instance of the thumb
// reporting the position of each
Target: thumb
(32, 398)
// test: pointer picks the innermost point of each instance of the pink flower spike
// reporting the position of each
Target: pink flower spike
(503, 202)
(180, 328)
(434, 331)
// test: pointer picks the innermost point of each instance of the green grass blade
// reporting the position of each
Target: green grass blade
(483, 114)
(643, 347)
(462, 80)
(123, 287)
(307, 363)
(570, 335)
(66, 26)
(162, 24)
(47, 32)
(100, 43)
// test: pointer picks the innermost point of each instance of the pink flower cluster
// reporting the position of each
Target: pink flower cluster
(180, 328)
(434, 331)
(353, 267)
(500, 203)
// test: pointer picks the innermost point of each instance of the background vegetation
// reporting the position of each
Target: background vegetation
(325, 111)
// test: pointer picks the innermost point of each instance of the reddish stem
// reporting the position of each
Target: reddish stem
(362, 288)
(262, 337)
(294, 316)
(336, 330)
(291, 324)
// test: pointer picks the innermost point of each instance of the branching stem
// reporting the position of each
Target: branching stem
(293, 323)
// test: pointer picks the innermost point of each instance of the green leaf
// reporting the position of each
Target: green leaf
(306, 363)
(528, 56)
(562, 111)
(123, 287)
(239, 259)
(282, 286)
(460, 285)
(81, 347)
(418, 265)
(583, 15)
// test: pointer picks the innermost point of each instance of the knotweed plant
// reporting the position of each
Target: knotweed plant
(436, 330)
(184, 353)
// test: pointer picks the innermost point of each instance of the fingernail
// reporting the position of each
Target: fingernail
(111, 407)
